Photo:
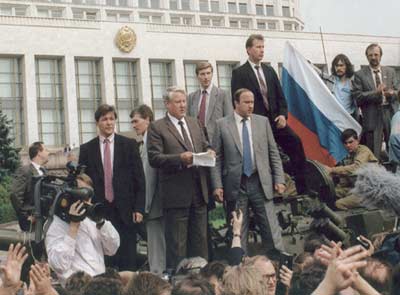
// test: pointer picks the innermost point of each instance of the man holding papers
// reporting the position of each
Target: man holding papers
(248, 169)
(172, 143)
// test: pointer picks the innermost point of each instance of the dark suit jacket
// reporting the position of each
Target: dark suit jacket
(219, 106)
(22, 193)
(128, 177)
(176, 182)
(364, 92)
(244, 77)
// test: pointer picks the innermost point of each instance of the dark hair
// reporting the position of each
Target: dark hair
(143, 111)
(373, 45)
(103, 286)
(238, 93)
(348, 133)
(202, 66)
(378, 274)
(214, 268)
(349, 66)
(77, 282)
(193, 285)
(35, 148)
(307, 281)
(252, 37)
(146, 283)
(314, 241)
(103, 110)
(110, 273)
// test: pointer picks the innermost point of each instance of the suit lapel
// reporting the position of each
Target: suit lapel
(235, 133)
(117, 151)
(33, 170)
(171, 127)
(192, 129)
(97, 156)
(213, 98)
(195, 103)
(370, 78)
(254, 135)
(252, 75)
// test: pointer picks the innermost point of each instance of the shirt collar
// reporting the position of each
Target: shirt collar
(208, 89)
(37, 166)
(378, 69)
(175, 120)
(253, 64)
(239, 118)
(110, 138)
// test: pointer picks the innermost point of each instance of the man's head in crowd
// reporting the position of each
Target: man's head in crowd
(149, 284)
(141, 117)
(374, 55)
(77, 282)
(307, 281)
(244, 102)
(266, 268)
(38, 153)
(103, 286)
(313, 242)
(341, 66)
(214, 272)
(350, 140)
(378, 274)
(244, 280)
(204, 73)
(193, 285)
(255, 48)
(105, 117)
(175, 102)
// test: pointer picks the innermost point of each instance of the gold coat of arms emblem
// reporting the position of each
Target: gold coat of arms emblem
(125, 39)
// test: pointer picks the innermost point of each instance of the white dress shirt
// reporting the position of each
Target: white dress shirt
(253, 66)
(37, 167)
(208, 90)
(175, 121)
(239, 125)
(102, 145)
(67, 255)
(384, 100)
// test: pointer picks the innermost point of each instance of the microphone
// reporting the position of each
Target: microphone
(378, 188)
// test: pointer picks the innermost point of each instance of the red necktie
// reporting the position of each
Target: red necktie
(202, 110)
(263, 88)
(108, 187)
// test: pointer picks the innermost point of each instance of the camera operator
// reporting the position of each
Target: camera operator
(81, 243)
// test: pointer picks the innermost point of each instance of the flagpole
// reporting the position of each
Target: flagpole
(323, 49)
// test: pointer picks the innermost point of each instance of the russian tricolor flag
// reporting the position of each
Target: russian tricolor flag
(314, 114)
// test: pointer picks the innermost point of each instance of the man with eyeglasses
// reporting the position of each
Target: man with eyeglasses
(343, 173)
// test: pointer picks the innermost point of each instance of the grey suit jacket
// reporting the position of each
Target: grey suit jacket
(220, 105)
(228, 170)
(177, 184)
(153, 205)
(364, 92)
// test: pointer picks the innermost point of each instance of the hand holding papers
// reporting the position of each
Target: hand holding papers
(206, 159)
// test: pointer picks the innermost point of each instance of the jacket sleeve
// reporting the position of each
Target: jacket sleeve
(216, 172)
(136, 168)
(275, 161)
(280, 97)
(19, 188)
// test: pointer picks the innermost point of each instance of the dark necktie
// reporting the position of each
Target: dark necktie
(202, 109)
(263, 88)
(186, 137)
(247, 165)
(377, 78)
(44, 170)
(108, 188)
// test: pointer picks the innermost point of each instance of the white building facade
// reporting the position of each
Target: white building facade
(59, 61)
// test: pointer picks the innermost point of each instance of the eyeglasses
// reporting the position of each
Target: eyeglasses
(269, 277)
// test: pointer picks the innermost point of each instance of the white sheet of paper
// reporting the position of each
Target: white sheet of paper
(204, 159)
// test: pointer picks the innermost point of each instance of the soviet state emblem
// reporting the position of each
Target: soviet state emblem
(125, 39)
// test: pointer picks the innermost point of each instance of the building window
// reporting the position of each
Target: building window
(124, 17)
(285, 11)
(234, 24)
(232, 7)
(78, 14)
(20, 11)
(144, 18)
(88, 93)
(175, 20)
(111, 2)
(214, 6)
(161, 78)
(270, 10)
(155, 4)
(6, 10)
(111, 16)
(203, 5)
(126, 91)
(50, 102)
(11, 99)
(143, 4)
(187, 20)
(243, 8)
(287, 26)
(91, 15)
(186, 5)
(204, 21)
(173, 4)
(190, 77)
(261, 25)
(245, 24)
(225, 74)
(271, 26)
(216, 22)
(56, 13)
(259, 9)
(156, 19)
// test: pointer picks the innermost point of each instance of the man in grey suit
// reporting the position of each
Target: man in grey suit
(172, 141)
(248, 169)
(141, 117)
(375, 91)
(209, 103)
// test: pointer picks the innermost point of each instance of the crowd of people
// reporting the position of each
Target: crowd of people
(210, 147)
